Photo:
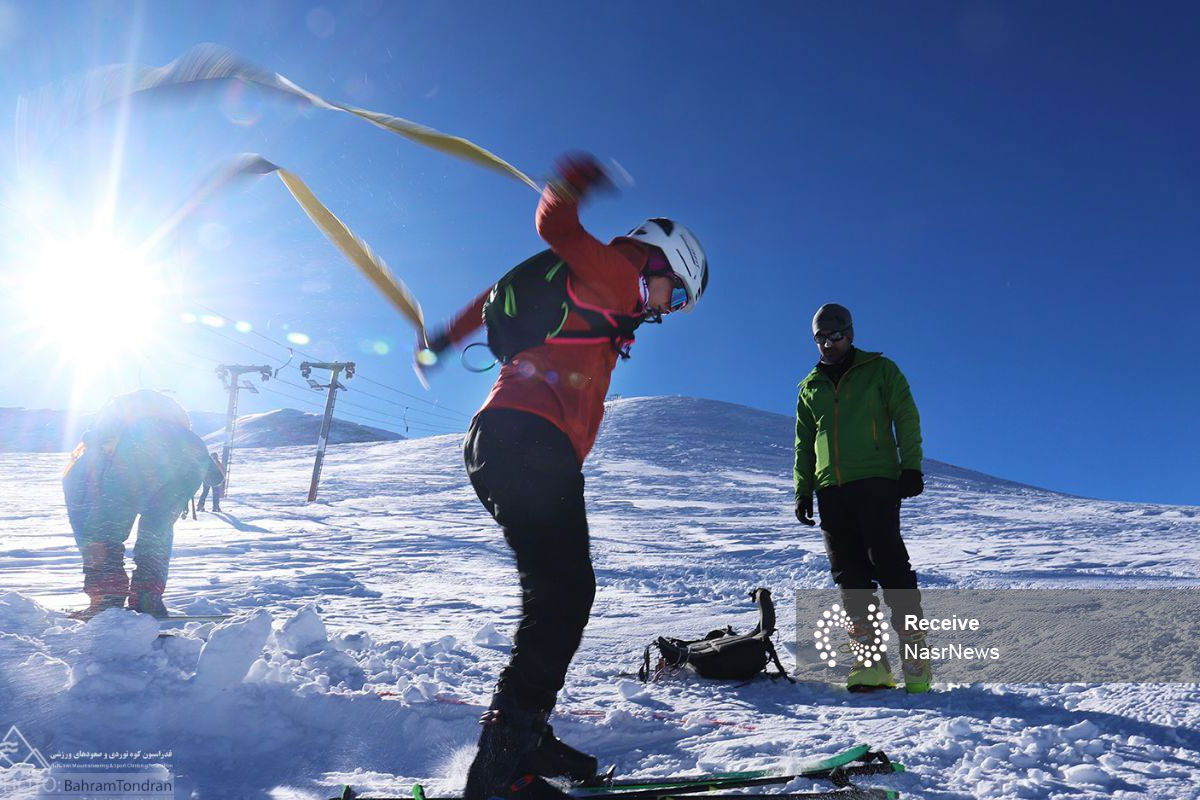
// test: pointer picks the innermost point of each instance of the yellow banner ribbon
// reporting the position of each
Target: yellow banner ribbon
(352, 246)
(208, 62)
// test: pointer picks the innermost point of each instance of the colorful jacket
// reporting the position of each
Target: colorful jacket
(845, 433)
(566, 383)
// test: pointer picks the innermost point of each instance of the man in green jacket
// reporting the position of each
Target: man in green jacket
(858, 446)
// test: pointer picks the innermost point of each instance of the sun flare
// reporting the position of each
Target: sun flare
(93, 299)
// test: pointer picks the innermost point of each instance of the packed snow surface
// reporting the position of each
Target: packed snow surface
(371, 625)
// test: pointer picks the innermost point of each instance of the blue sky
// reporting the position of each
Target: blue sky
(1004, 194)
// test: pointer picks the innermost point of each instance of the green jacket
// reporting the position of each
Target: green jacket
(845, 433)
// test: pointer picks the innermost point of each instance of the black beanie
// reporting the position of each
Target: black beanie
(832, 317)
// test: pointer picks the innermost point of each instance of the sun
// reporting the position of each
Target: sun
(93, 299)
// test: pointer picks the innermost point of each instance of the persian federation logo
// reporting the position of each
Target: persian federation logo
(22, 767)
(867, 647)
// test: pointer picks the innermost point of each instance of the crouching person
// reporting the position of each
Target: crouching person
(139, 462)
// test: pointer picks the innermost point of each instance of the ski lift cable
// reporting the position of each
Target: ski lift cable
(418, 398)
(433, 425)
(344, 402)
(446, 422)
(377, 416)
(227, 338)
(359, 374)
(351, 416)
(422, 425)
(387, 400)
(401, 418)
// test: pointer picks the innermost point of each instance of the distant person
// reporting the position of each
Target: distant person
(858, 445)
(214, 478)
(525, 448)
(139, 458)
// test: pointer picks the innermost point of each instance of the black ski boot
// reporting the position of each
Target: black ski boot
(554, 758)
(510, 735)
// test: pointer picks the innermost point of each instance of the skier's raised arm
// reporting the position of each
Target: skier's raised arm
(557, 220)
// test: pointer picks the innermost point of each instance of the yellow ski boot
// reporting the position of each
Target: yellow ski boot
(918, 674)
(871, 670)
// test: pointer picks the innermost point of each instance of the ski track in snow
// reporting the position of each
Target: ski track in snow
(375, 621)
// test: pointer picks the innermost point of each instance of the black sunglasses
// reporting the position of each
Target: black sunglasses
(835, 336)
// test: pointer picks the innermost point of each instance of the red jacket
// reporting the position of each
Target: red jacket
(567, 383)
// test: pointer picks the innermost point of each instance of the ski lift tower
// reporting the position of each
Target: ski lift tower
(335, 367)
(229, 375)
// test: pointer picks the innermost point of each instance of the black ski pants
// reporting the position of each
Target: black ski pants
(860, 521)
(216, 494)
(528, 477)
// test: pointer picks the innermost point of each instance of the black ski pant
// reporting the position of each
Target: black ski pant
(216, 494)
(527, 476)
(860, 521)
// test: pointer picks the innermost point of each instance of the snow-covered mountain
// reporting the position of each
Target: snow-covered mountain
(24, 430)
(287, 427)
(47, 431)
(373, 623)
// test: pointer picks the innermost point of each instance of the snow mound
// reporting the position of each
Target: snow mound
(234, 688)
(488, 636)
(736, 440)
(287, 427)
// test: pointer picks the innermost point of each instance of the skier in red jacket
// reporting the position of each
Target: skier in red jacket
(524, 452)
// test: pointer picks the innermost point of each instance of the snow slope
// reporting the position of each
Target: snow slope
(374, 623)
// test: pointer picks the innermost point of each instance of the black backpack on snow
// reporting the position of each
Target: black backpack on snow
(529, 306)
(723, 654)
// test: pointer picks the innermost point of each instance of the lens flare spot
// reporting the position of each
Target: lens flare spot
(212, 320)
(243, 327)
(381, 348)
(298, 338)
(242, 103)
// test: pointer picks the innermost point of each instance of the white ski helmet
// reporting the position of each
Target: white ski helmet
(683, 253)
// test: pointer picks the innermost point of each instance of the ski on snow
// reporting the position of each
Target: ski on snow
(838, 769)
(845, 793)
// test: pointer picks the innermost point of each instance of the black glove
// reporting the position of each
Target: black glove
(579, 173)
(804, 510)
(438, 340)
(435, 342)
(911, 483)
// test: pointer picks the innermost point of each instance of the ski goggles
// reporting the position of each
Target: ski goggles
(679, 295)
(833, 336)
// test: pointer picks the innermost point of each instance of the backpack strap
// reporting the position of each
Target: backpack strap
(766, 610)
(775, 660)
(673, 652)
(603, 325)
